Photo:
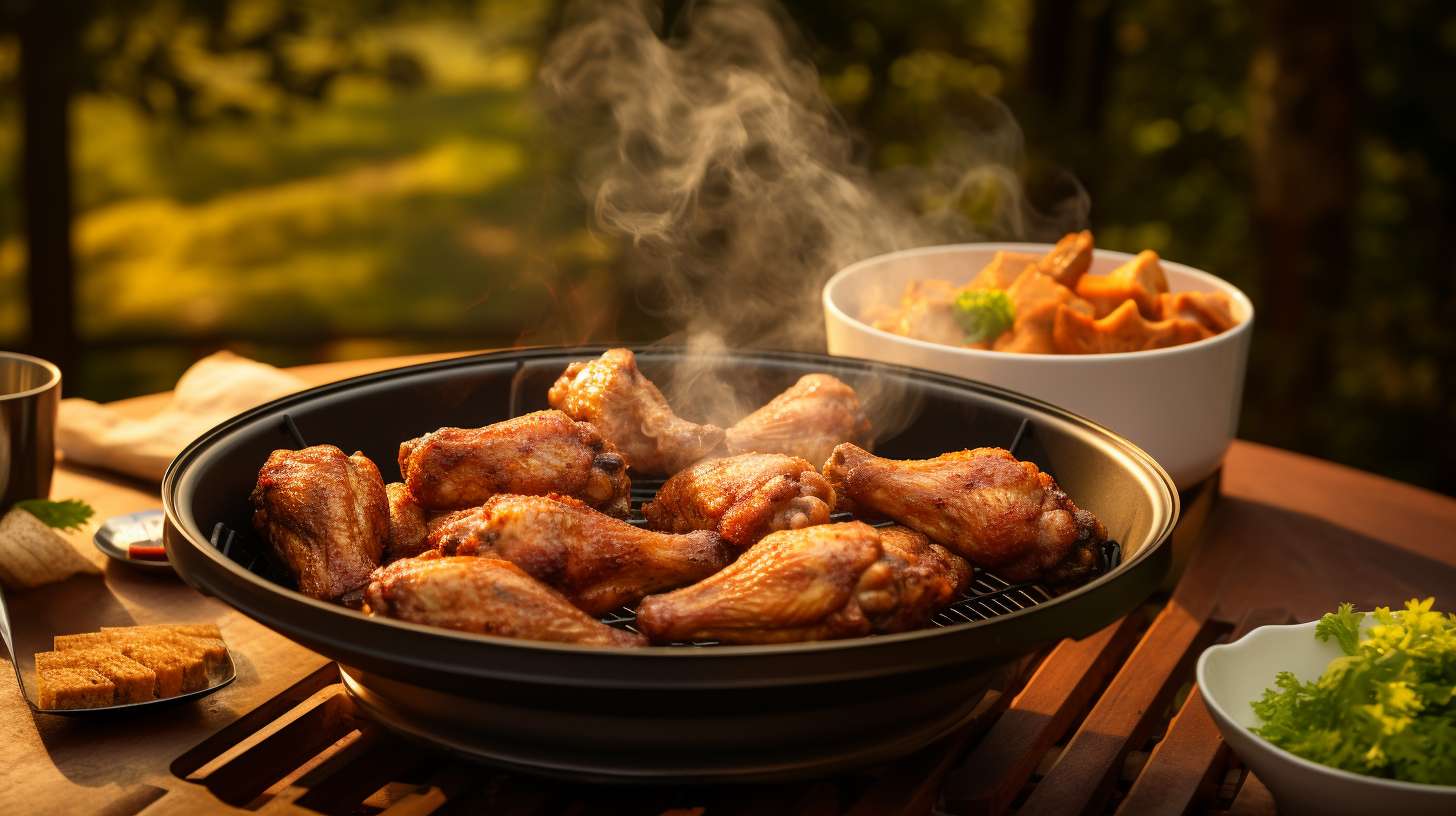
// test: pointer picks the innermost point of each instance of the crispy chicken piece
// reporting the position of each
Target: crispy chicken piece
(1035, 297)
(535, 454)
(1212, 310)
(926, 578)
(408, 527)
(1140, 280)
(1123, 330)
(807, 420)
(1004, 268)
(926, 312)
(793, 585)
(325, 515)
(612, 394)
(484, 595)
(743, 498)
(999, 513)
(598, 562)
(1069, 260)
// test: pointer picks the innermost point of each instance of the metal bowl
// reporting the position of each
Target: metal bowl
(681, 713)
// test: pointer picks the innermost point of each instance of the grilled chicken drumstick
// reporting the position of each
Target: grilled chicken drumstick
(793, 585)
(598, 562)
(997, 512)
(484, 595)
(743, 497)
(807, 420)
(535, 454)
(818, 583)
(927, 578)
(325, 515)
(612, 394)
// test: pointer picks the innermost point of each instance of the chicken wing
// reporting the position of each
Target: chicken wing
(808, 420)
(538, 453)
(408, 527)
(743, 498)
(598, 562)
(793, 585)
(612, 394)
(924, 578)
(999, 513)
(484, 595)
(325, 515)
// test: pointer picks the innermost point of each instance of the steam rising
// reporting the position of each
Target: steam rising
(715, 151)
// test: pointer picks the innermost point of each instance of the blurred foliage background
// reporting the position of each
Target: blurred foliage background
(307, 181)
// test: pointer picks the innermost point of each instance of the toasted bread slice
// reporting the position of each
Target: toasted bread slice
(175, 673)
(179, 663)
(134, 682)
(202, 630)
(184, 637)
(73, 688)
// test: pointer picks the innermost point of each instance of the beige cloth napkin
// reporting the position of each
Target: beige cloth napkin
(213, 389)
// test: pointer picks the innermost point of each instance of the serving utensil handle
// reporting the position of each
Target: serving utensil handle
(5, 632)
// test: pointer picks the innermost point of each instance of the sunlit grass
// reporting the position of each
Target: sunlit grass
(379, 211)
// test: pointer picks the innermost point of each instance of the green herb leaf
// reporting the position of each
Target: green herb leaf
(1342, 625)
(984, 314)
(68, 514)
(1386, 708)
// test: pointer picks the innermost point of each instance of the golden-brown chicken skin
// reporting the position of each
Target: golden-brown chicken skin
(325, 515)
(807, 420)
(794, 585)
(925, 578)
(999, 513)
(408, 525)
(743, 498)
(598, 562)
(484, 595)
(534, 454)
(612, 394)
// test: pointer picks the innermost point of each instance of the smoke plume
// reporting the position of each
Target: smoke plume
(714, 150)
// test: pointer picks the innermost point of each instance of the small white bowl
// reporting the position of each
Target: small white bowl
(1179, 404)
(1233, 676)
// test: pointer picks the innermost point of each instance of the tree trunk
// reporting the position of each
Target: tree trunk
(1303, 91)
(1049, 52)
(47, 59)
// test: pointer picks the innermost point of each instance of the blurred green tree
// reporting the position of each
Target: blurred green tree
(131, 48)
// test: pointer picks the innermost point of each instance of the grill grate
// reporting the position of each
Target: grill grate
(988, 596)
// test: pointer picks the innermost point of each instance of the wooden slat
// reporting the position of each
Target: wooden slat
(345, 779)
(1123, 715)
(1061, 688)
(1192, 755)
(254, 721)
(189, 803)
(1253, 800)
(254, 771)
(451, 780)
(911, 786)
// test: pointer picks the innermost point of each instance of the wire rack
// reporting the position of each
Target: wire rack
(987, 596)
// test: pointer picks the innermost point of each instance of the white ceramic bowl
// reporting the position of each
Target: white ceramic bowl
(1233, 676)
(1179, 404)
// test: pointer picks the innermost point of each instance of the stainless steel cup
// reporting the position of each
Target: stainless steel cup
(30, 392)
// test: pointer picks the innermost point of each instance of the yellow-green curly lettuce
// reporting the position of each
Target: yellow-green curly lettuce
(1386, 708)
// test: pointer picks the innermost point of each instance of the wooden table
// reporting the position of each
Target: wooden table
(1286, 535)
